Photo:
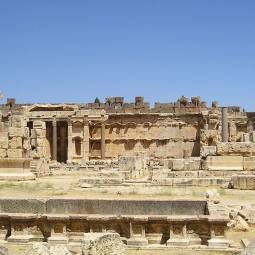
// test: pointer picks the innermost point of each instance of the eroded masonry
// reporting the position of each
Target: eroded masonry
(183, 143)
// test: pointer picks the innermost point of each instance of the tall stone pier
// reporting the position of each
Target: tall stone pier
(224, 124)
(103, 141)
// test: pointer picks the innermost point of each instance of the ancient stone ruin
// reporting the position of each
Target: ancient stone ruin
(185, 143)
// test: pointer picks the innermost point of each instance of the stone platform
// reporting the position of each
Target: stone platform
(139, 223)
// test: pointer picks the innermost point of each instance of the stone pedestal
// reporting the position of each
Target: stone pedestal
(23, 232)
(218, 239)
(178, 235)
(137, 235)
(58, 234)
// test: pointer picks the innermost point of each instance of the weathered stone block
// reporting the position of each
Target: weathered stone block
(17, 121)
(178, 164)
(249, 163)
(133, 166)
(14, 153)
(243, 182)
(15, 143)
(4, 142)
(236, 148)
(14, 131)
(3, 153)
(208, 150)
(225, 163)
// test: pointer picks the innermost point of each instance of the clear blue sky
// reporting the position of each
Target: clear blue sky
(75, 50)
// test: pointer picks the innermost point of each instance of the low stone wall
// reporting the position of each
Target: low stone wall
(137, 222)
(100, 206)
(125, 207)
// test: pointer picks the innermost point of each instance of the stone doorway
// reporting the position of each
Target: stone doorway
(62, 141)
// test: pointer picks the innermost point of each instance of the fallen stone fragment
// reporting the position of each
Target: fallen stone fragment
(43, 249)
(102, 244)
(3, 250)
(38, 249)
(59, 250)
(240, 224)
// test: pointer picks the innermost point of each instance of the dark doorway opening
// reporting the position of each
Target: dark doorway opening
(62, 142)
(49, 139)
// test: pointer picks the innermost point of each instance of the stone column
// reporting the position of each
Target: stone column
(55, 140)
(86, 141)
(103, 141)
(224, 124)
(70, 142)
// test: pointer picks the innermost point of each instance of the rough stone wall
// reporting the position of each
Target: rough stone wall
(171, 130)
(14, 135)
(158, 136)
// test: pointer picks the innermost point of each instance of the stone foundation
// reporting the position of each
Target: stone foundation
(139, 223)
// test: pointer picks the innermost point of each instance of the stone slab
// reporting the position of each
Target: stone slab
(249, 163)
(225, 163)
(17, 177)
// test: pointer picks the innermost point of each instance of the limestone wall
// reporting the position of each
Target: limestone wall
(167, 130)
(14, 136)
(158, 136)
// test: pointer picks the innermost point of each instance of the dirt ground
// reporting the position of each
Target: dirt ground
(68, 186)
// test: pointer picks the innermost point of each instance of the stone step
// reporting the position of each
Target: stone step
(203, 182)
(17, 176)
